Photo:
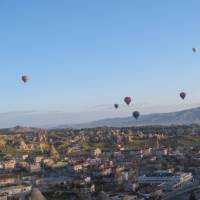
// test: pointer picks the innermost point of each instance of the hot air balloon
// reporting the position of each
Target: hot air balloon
(136, 114)
(116, 106)
(127, 100)
(183, 95)
(194, 50)
(25, 78)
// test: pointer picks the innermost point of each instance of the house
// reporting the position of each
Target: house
(33, 168)
(150, 192)
(161, 152)
(9, 164)
(7, 181)
(159, 177)
(38, 159)
(14, 190)
(78, 167)
(97, 152)
(48, 162)
(24, 157)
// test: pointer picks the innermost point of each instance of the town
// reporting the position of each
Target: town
(101, 163)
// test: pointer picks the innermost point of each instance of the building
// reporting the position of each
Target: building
(38, 159)
(59, 164)
(161, 152)
(159, 177)
(97, 152)
(24, 157)
(22, 165)
(78, 168)
(36, 195)
(54, 153)
(150, 192)
(33, 168)
(9, 164)
(3, 198)
(48, 162)
(7, 181)
(15, 190)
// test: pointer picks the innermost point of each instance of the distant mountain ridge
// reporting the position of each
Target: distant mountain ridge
(19, 129)
(184, 117)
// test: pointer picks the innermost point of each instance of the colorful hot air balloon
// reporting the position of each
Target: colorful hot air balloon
(136, 114)
(194, 50)
(116, 106)
(25, 78)
(183, 95)
(127, 100)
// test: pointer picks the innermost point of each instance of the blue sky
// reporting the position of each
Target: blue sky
(84, 56)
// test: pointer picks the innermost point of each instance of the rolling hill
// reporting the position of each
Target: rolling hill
(185, 117)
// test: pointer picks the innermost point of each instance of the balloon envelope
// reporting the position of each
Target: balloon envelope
(183, 95)
(136, 114)
(25, 78)
(194, 50)
(116, 106)
(127, 100)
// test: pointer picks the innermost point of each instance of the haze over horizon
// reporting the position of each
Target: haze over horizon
(58, 119)
(82, 57)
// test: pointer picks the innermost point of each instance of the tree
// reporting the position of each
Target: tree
(192, 196)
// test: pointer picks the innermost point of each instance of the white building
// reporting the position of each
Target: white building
(15, 190)
(159, 177)
(24, 157)
(78, 168)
